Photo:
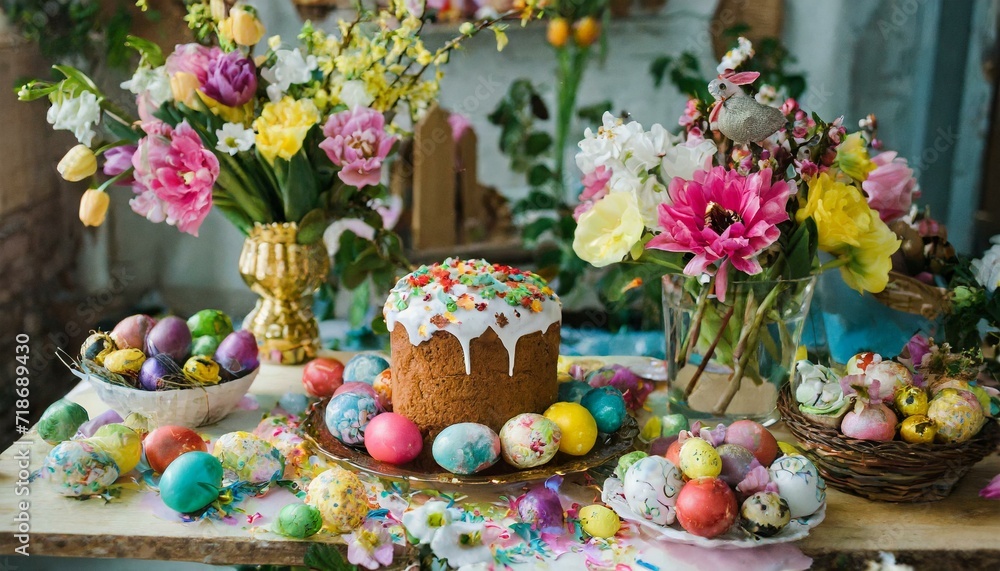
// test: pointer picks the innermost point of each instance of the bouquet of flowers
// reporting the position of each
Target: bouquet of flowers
(737, 208)
(297, 134)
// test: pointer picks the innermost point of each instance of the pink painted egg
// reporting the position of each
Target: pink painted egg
(755, 438)
(322, 376)
(363, 388)
(393, 438)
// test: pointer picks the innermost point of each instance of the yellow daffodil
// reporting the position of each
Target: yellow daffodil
(94, 207)
(852, 157)
(282, 127)
(606, 232)
(78, 164)
(868, 264)
(839, 210)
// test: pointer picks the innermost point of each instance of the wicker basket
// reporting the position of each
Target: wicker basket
(910, 295)
(886, 471)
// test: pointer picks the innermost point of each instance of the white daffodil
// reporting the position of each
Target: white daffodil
(77, 114)
(425, 522)
(153, 81)
(289, 68)
(234, 138)
(461, 544)
(353, 94)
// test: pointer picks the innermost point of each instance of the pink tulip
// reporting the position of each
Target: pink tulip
(891, 187)
(193, 59)
(356, 141)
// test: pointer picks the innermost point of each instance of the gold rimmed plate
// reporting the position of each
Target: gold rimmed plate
(425, 471)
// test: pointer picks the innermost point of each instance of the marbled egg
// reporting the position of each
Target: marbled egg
(340, 498)
(799, 484)
(736, 463)
(248, 458)
(466, 448)
(573, 391)
(347, 416)
(322, 376)
(76, 468)
(363, 368)
(607, 405)
(755, 438)
(957, 414)
(61, 421)
(765, 514)
(191, 482)
(299, 521)
(651, 486)
(361, 388)
(529, 440)
(382, 385)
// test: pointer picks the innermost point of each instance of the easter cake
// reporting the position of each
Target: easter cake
(472, 342)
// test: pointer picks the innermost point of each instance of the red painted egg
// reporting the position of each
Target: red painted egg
(706, 507)
(755, 438)
(322, 376)
(163, 445)
(673, 453)
(393, 438)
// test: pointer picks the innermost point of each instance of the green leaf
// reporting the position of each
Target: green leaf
(297, 186)
(539, 175)
(78, 77)
(360, 297)
(594, 114)
(123, 131)
(311, 227)
(326, 557)
(536, 200)
(658, 69)
(378, 325)
(536, 228)
(149, 52)
(538, 143)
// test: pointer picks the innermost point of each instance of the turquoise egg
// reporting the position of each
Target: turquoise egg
(466, 448)
(573, 391)
(191, 482)
(299, 521)
(61, 420)
(294, 403)
(607, 406)
(347, 417)
(364, 368)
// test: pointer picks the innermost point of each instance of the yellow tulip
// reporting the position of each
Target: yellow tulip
(94, 207)
(606, 232)
(282, 127)
(839, 210)
(242, 26)
(185, 86)
(78, 164)
(868, 264)
(852, 157)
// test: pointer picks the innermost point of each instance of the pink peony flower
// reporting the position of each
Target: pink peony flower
(230, 79)
(722, 217)
(891, 187)
(356, 141)
(192, 58)
(118, 160)
(174, 176)
(595, 184)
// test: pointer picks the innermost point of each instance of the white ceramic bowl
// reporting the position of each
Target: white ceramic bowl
(181, 407)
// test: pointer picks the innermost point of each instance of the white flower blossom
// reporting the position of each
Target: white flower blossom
(425, 522)
(819, 388)
(353, 94)
(153, 81)
(290, 68)
(76, 114)
(461, 543)
(234, 138)
(685, 159)
(987, 268)
(768, 95)
(736, 56)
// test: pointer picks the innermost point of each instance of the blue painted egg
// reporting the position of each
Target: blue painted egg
(191, 482)
(607, 406)
(573, 391)
(466, 448)
(364, 368)
(347, 416)
(294, 403)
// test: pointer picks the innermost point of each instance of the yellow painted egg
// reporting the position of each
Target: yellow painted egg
(918, 429)
(578, 427)
(787, 448)
(911, 400)
(121, 443)
(599, 521)
(957, 414)
(202, 370)
(125, 361)
(340, 498)
(699, 459)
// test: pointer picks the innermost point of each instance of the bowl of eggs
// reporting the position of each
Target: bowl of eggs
(171, 371)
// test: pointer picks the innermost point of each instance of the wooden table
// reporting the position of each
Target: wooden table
(960, 532)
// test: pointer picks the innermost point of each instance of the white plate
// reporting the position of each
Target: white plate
(735, 538)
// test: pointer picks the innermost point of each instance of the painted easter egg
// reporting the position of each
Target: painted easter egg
(121, 443)
(322, 376)
(130, 333)
(918, 429)
(76, 468)
(891, 377)
(599, 521)
(364, 367)
(755, 438)
(957, 414)
(347, 416)
(799, 484)
(577, 425)
(673, 424)
(362, 388)
(573, 391)
(706, 507)
(205, 346)
(466, 448)
(97, 346)
(61, 421)
(299, 521)
(202, 370)
(529, 440)
(607, 405)
(698, 459)
(125, 361)
(210, 322)
(191, 482)
(248, 458)
(911, 400)
(626, 461)
(340, 498)
(382, 385)
(764, 514)
(163, 445)
(651, 486)
(736, 463)
(393, 438)
(294, 403)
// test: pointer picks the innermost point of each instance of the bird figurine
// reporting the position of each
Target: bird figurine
(738, 115)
